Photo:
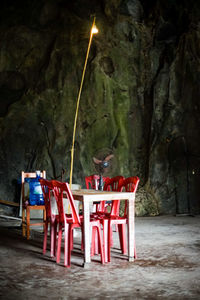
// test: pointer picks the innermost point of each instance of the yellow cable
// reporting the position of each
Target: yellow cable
(77, 105)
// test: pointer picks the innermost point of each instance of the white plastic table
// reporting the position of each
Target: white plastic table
(87, 197)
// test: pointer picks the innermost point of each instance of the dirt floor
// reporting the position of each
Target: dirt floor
(167, 267)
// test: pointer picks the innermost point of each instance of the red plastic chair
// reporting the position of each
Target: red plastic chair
(69, 222)
(51, 219)
(130, 184)
(113, 184)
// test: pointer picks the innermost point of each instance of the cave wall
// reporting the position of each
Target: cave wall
(140, 99)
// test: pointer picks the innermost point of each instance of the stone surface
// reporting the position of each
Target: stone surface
(140, 98)
(167, 267)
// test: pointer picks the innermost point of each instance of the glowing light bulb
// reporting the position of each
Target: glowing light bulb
(94, 29)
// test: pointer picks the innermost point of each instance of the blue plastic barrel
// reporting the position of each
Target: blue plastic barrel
(35, 192)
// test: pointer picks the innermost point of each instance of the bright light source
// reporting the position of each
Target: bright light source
(94, 29)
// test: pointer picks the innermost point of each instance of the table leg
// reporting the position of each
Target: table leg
(86, 213)
(131, 227)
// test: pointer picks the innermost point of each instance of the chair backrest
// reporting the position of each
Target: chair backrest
(114, 184)
(29, 175)
(47, 189)
(92, 181)
(130, 184)
(62, 190)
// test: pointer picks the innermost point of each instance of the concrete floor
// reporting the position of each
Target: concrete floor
(167, 267)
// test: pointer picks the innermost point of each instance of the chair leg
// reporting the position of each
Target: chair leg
(122, 237)
(70, 242)
(67, 245)
(109, 239)
(95, 246)
(23, 223)
(55, 238)
(105, 239)
(59, 244)
(101, 244)
(93, 241)
(44, 218)
(52, 252)
(28, 222)
(45, 238)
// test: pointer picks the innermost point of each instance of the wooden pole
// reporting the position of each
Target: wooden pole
(78, 101)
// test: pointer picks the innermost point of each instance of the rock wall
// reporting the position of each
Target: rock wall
(139, 99)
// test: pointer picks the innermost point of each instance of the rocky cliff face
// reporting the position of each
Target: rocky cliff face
(140, 98)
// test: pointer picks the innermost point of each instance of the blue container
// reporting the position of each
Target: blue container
(35, 192)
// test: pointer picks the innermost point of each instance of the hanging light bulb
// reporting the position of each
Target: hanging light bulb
(94, 29)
